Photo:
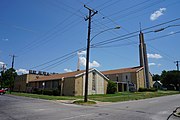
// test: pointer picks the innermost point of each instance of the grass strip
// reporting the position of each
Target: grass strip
(118, 97)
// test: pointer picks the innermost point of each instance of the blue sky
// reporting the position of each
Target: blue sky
(41, 32)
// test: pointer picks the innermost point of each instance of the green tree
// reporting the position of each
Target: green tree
(171, 78)
(8, 78)
(111, 88)
(156, 77)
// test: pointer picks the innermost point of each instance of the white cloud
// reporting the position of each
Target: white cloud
(94, 64)
(67, 70)
(155, 56)
(159, 65)
(152, 64)
(22, 71)
(82, 61)
(5, 39)
(81, 53)
(157, 14)
(1, 64)
(171, 32)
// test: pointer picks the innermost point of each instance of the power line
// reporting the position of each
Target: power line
(145, 13)
(36, 41)
(136, 11)
(68, 6)
(58, 62)
(116, 39)
(18, 27)
(50, 37)
(128, 8)
(140, 9)
(167, 56)
(115, 2)
(58, 58)
(126, 44)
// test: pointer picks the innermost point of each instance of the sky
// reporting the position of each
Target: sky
(51, 35)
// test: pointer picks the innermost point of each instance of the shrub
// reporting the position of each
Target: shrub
(147, 90)
(47, 92)
(56, 92)
(111, 88)
(36, 91)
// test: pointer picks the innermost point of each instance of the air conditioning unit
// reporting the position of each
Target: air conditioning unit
(34, 72)
(44, 73)
(40, 73)
(30, 71)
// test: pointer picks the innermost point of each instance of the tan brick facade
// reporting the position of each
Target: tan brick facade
(132, 76)
(69, 84)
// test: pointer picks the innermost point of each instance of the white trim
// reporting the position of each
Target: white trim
(139, 69)
(91, 71)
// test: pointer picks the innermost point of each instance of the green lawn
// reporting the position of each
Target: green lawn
(122, 96)
(126, 96)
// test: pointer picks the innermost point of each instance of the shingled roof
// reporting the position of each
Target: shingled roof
(64, 75)
(58, 76)
(123, 70)
(76, 73)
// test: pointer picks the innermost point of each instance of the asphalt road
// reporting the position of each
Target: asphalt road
(22, 108)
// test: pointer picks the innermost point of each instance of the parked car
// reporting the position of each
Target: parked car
(2, 92)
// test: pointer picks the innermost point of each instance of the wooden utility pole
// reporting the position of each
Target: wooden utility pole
(177, 65)
(91, 14)
(13, 57)
(12, 67)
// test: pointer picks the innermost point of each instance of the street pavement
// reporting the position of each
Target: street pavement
(23, 108)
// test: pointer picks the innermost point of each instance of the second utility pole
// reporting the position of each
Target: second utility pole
(13, 56)
(12, 67)
(88, 47)
(177, 64)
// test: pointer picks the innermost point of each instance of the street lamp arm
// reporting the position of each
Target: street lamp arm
(161, 29)
(118, 27)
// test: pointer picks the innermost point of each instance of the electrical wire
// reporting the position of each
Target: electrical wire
(116, 39)
(58, 62)
(61, 57)
(37, 42)
(155, 50)
(115, 2)
(18, 27)
(126, 44)
(128, 8)
(145, 13)
(68, 6)
(135, 11)
(51, 37)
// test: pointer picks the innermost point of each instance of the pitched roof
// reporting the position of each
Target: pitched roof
(65, 75)
(58, 76)
(123, 70)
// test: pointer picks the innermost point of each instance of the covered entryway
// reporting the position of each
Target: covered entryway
(121, 86)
